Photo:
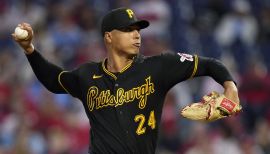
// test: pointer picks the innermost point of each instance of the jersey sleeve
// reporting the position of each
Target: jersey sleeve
(53, 77)
(178, 67)
(215, 69)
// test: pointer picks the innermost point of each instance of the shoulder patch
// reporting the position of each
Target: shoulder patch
(185, 56)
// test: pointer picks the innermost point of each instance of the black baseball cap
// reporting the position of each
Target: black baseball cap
(121, 18)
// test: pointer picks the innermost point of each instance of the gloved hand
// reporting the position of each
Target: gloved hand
(212, 107)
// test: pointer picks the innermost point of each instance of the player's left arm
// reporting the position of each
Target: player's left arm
(216, 69)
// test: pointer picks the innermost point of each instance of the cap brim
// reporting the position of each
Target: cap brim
(141, 23)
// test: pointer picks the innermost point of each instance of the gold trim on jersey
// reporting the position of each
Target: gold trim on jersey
(195, 66)
(99, 99)
(110, 73)
(106, 71)
(126, 67)
(59, 81)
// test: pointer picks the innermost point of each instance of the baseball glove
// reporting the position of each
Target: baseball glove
(212, 107)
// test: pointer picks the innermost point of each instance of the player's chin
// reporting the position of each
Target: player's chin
(133, 53)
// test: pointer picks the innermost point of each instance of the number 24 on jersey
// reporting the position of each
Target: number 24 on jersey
(141, 119)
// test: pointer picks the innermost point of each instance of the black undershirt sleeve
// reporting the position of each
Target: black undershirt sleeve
(46, 72)
(213, 68)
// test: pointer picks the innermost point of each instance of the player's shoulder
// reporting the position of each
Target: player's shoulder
(170, 57)
(162, 55)
(90, 64)
(151, 60)
(87, 66)
(176, 55)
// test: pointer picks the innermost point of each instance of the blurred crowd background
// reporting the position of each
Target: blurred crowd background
(35, 121)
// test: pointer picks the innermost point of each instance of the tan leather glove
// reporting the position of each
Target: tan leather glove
(212, 107)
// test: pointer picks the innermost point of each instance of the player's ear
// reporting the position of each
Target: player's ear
(108, 37)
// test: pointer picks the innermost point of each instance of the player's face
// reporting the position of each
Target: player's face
(126, 40)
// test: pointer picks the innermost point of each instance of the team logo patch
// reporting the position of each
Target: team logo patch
(184, 56)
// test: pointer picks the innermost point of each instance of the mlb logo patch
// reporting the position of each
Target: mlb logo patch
(184, 56)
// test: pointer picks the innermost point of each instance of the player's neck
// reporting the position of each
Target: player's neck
(117, 63)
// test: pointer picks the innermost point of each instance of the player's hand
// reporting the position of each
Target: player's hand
(26, 44)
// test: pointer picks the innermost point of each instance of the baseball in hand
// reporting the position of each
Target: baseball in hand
(21, 33)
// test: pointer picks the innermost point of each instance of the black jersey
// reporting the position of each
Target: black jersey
(124, 108)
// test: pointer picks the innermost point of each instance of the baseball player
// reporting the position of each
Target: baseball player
(123, 95)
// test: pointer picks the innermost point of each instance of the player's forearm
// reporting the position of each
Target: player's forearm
(46, 72)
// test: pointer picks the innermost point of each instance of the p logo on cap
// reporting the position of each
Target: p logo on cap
(121, 18)
(130, 13)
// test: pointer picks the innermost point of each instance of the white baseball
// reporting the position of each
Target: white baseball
(21, 33)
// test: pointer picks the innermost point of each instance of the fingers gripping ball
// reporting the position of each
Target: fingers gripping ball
(21, 33)
(212, 107)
